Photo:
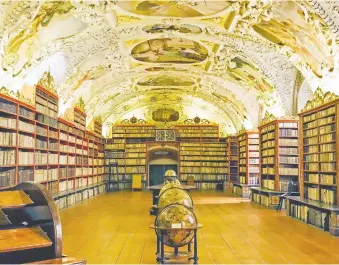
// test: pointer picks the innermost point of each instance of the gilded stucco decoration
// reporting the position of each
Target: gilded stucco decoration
(223, 61)
(319, 98)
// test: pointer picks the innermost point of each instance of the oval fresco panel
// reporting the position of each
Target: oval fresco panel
(165, 80)
(167, 50)
(161, 28)
(174, 8)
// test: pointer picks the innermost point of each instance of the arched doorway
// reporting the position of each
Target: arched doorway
(161, 156)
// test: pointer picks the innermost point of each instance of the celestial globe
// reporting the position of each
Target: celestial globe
(172, 216)
(175, 195)
(168, 186)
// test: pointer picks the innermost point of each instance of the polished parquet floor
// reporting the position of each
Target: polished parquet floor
(114, 228)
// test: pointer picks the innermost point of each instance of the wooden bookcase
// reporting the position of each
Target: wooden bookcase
(319, 134)
(248, 163)
(279, 159)
(127, 149)
(232, 159)
(37, 146)
(206, 161)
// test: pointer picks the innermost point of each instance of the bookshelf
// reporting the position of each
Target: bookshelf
(248, 163)
(197, 132)
(319, 197)
(40, 147)
(206, 161)
(279, 160)
(127, 149)
(232, 159)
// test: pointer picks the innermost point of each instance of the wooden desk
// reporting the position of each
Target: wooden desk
(23, 238)
(14, 199)
(156, 190)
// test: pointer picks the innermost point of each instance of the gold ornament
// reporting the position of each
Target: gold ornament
(319, 98)
(80, 104)
(47, 82)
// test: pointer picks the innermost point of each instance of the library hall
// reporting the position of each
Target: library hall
(169, 132)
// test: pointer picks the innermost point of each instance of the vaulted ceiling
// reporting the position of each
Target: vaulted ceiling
(226, 61)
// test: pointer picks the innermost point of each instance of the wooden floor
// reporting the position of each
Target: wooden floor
(114, 228)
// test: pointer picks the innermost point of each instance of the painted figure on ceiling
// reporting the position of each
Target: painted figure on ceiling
(246, 73)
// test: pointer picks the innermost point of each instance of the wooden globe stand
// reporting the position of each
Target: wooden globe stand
(176, 255)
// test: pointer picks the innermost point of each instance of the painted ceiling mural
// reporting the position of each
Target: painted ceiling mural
(228, 62)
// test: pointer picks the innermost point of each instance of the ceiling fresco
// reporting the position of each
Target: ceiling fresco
(228, 62)
(165, 81)
(174, 8)
(179, 51)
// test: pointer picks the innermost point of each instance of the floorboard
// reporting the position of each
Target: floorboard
(113, 228)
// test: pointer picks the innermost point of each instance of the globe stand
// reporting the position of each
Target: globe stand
(162, 257)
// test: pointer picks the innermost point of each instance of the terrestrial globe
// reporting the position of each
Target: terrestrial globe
(168, 186)
(176, 214)
(170, 176)
(175, 195)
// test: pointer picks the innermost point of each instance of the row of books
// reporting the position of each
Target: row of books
(289, 142)
(8, 138)
(207, 153)
(327, 129)
(7, 156)
(26, 158)
(289, 159)
(268, 160)
(202, 177)
(7, 122)
(41, 130)
(326, 120)
(7, 176)
(321, 139)
(268, 170)
(310, 125)
(268, 144)
(288, 151)
(267, 184)
(26, 141)
(287, 171)
(324, 166)
(40, 143)
(40, 158)
(268, 136)
(139, 161)
(208, 170)
(288, 133)
(311, 149)
(135, 150)
(8, 106)
(114, 146)
(253, 141)
(253, 179)
(25, 126)
(194, 144)
(26, 174)
(320, 178)
(200, 158)
(197, 135)
(288, 124)
(135, 155)
(268, 128)
(203, 163)
(268, 152)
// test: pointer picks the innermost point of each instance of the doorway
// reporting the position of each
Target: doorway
(157, 172)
